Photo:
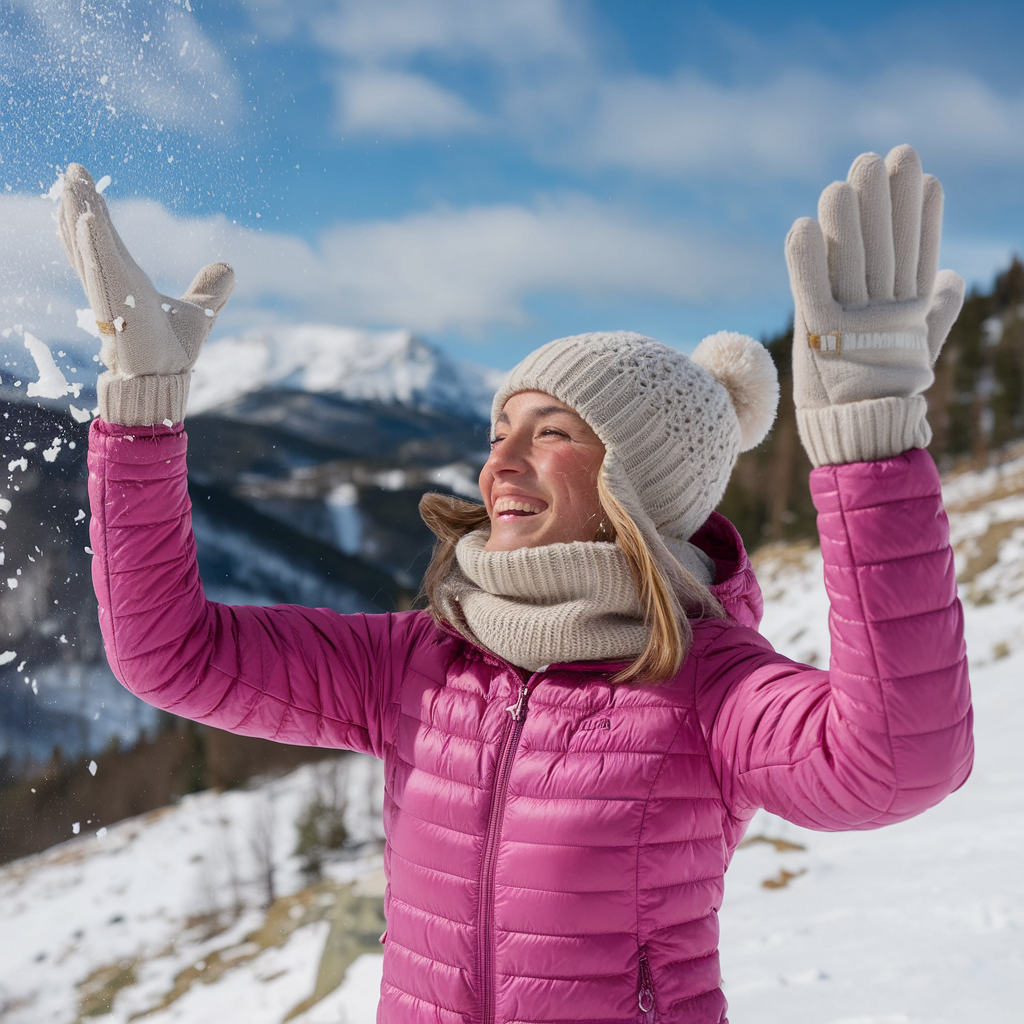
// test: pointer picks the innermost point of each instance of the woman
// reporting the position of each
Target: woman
(578, 730)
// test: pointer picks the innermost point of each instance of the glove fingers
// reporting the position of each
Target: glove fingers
(78, 199)
(839, 217)
(931, 236)
(95, 246)
(211, 287)
(79, 185)
(870, 181)
(906, 185)
(807, 259)
(947, 301)
(73, 203)
(66, 232)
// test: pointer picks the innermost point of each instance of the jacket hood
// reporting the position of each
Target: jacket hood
(736, 587)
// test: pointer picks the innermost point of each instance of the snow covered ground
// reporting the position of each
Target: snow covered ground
(920, 923)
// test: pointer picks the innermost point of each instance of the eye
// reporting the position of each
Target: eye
(495, 440)
(551, 432)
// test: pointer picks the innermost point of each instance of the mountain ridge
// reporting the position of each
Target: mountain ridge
(382, 367)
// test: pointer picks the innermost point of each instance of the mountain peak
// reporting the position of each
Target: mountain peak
(389, 367)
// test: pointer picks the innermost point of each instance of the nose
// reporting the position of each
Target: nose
(509, 456)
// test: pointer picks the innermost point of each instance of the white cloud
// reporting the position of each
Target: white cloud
(468, 269)
(375, 31)
(36, 283)
(397, 104)
(538, 64)
(794, 124)
(463, 270)
(377, 46)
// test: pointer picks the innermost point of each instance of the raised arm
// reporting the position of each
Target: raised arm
(292, 674)
(298, 675)
(887, 731)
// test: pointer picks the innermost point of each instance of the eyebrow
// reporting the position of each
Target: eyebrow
(545, 410)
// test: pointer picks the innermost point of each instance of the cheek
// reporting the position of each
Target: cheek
(579, 483)
(484, 483)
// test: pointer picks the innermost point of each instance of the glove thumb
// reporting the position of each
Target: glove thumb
(210, 288)
(947, 299)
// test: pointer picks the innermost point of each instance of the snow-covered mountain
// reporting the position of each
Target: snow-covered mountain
(919, 923)
(309, 449)
(385, 367)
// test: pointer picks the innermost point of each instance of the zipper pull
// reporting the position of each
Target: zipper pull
(518, 710)
(645, 998)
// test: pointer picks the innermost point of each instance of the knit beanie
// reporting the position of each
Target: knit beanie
(672, 426)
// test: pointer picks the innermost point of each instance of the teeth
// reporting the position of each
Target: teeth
(510, 505)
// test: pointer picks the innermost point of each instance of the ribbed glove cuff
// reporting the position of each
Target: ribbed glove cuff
(143, 401)
(878, 428)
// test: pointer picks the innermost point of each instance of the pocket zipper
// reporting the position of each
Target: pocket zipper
(645, 995)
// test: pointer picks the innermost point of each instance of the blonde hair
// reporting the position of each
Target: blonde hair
(666, 609)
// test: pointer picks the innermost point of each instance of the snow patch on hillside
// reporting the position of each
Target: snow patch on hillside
(360, 365)
(117, 915)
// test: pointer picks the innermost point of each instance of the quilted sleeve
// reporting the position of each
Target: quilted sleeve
(298, 675)
(887, 731)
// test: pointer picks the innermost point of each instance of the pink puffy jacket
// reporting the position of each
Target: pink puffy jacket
(556, 845)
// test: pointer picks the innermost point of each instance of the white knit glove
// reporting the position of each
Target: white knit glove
(150, 341)
(871, 311)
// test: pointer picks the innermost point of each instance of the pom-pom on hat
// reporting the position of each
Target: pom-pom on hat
(672, 426)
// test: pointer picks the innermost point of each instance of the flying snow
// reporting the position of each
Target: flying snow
(86, 319)
(56, 189)
(51, 383)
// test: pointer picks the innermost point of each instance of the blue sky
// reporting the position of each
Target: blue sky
(493, 174)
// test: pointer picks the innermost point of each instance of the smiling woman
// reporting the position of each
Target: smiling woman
(578, 729)
(540, 484)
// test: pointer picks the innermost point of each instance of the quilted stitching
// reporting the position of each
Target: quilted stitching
(624, 803)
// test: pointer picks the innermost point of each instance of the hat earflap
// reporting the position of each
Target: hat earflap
(746, 370)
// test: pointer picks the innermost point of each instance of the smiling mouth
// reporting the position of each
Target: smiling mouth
(513, 509)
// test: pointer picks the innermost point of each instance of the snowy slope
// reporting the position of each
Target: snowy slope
(366, 366)
(129, 910)
(920, 923)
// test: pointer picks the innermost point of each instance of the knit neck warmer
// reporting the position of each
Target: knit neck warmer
(548, 605)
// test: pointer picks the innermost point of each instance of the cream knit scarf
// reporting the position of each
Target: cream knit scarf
(547, 605)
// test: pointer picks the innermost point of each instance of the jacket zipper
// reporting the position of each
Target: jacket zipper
(510, 740)
(645, 993)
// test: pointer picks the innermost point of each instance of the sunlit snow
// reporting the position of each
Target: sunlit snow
(360, 365)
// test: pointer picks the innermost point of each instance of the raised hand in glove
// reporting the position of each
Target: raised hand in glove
(150, 341)
(871, 310)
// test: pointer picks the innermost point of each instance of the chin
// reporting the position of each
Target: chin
(502, 540)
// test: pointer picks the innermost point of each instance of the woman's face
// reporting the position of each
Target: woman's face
(540, 483)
